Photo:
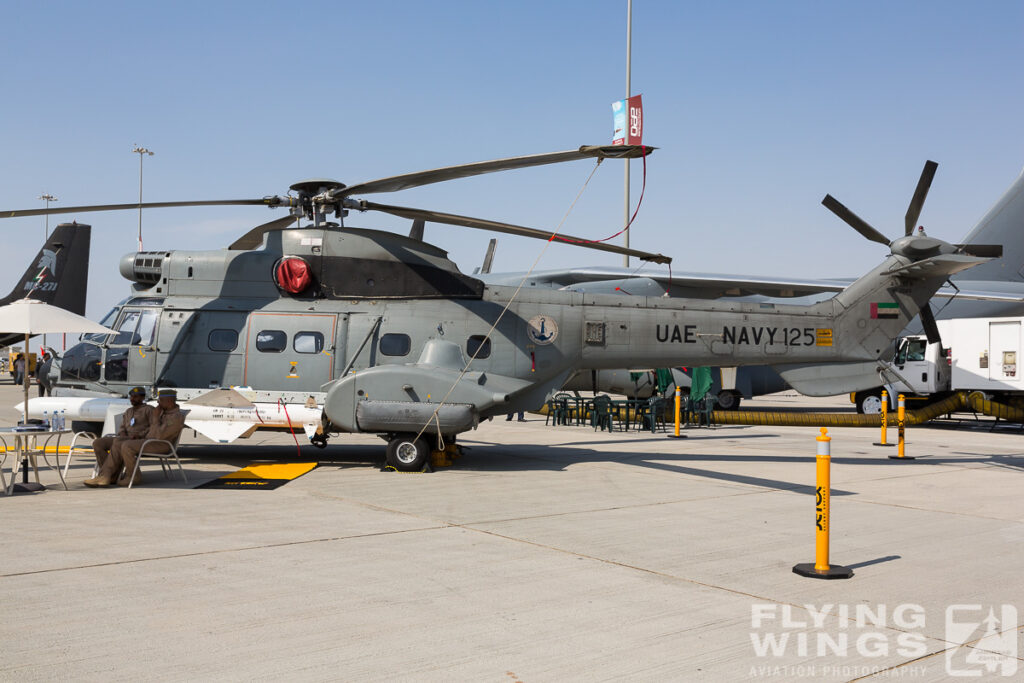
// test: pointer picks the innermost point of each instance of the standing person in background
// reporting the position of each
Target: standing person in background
(19, 369)
(43, 374)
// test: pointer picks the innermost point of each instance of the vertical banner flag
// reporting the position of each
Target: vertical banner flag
(628, 121)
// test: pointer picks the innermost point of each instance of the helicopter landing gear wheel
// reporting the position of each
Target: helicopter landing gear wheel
(406, 453)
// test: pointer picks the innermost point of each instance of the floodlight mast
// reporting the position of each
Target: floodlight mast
(141, 151)
(47, 197)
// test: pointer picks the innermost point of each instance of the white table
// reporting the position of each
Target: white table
(26, 446)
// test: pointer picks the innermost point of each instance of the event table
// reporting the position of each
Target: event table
(26, 447)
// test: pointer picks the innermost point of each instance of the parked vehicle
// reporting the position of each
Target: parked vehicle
(975, 354)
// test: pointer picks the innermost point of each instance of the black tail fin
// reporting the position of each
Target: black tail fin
(59, 274)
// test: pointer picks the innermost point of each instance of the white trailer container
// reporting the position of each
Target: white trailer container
(976, 354)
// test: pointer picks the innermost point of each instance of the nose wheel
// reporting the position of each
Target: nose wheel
(406, 453)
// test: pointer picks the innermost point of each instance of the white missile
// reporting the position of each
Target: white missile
(222, 415)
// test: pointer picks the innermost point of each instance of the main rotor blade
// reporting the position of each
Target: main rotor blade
(982, 250)
(254, 238)
(495, 226)
(928, 323)
(853, 220)
(266, 201)
(917, 202)
(438, 175)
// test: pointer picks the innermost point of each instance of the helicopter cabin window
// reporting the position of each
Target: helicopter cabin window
(271, 341)
(308, 342)
(479, 345)
(222, 340)
(394, 344)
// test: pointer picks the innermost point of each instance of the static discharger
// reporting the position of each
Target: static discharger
(820, 568)
(901, 421)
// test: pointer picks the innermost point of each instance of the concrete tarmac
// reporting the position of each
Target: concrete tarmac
(545, 554)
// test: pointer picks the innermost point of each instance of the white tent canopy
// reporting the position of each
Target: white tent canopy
(31, 317)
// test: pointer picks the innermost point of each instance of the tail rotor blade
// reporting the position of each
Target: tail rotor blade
(981, 250)
(853, 220)
(914, 210)
(928, 322)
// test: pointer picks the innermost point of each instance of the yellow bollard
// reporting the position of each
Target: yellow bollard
(885, 419)
(901, 414)
(679, 414)
(821, 569)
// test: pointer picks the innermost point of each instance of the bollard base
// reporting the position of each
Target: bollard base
(834, 571)
(883, 444)
(902, 457)
(673, 436)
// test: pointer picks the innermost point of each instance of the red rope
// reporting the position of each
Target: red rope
(280, 404)
(643, 187)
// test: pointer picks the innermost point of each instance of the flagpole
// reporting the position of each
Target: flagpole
(629, 46)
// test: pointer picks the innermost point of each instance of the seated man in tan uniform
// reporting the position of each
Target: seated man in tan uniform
(167, 423)
(134, 425)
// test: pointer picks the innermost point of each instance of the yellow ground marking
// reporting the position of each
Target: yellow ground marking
(275, 471)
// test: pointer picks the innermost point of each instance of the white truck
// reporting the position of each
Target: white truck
(976, 354)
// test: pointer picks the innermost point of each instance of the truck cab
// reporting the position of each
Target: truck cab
(924, 367)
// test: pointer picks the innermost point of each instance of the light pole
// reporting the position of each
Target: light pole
(47, 197)
(142, 152)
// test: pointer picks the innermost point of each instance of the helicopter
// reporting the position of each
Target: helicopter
(381, 333)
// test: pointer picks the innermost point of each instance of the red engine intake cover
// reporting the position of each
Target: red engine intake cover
(293, 275)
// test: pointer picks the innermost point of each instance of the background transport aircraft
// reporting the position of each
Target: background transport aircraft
(58, 275)
(995, 288)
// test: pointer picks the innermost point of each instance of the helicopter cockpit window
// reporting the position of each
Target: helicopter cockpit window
(480, 345)
(136, 328)
(126, 329)
(394, 344)
(308, 342)
(271, 341)
(81, 362)
(147, 328)
(116, 367)
(222, 340)
(100, 337)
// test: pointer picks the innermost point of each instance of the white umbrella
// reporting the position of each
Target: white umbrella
(32, 317)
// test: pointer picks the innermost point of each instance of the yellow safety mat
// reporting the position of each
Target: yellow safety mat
(261, 477)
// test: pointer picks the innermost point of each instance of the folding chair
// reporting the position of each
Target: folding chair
(111, 426)
(172, 453)
(89, 437)
(653, 415)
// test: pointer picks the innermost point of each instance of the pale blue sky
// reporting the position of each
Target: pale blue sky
(758, 108)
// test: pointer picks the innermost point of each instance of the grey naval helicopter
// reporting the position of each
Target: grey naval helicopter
(358, 330)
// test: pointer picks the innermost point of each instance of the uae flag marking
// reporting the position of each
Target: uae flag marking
(885, 310)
